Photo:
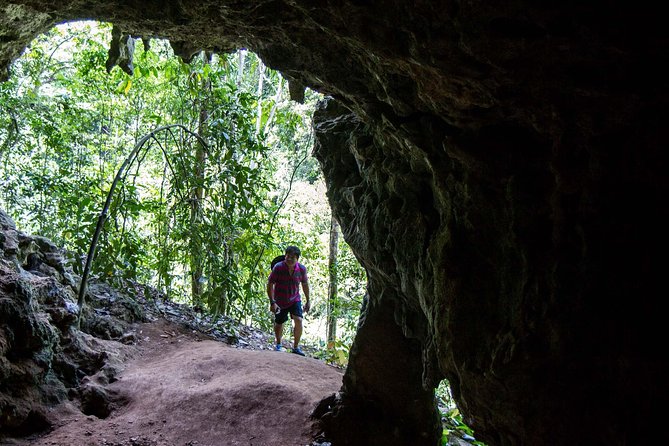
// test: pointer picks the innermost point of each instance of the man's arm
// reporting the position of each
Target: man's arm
(307, 304)
(270, 294)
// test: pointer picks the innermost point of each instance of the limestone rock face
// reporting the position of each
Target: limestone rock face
(44, 358)
(499, 168)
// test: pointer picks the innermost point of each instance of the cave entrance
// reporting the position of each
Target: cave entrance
(194, 220)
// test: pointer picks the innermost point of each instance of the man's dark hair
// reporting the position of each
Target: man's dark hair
(293, 250)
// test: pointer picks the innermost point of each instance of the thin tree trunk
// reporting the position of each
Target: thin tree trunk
(223, 302)
(261, 79)
(332, 288)
(197, 195)
(240, 67)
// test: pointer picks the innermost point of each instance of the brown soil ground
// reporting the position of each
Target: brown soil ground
(182, 389)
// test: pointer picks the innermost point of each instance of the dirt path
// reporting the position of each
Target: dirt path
(185, 390)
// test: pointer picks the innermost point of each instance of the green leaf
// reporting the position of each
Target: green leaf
(122, 86)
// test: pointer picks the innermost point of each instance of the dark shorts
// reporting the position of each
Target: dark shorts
(282, 316)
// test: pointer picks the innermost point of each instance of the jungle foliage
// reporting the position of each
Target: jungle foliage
(197, 218)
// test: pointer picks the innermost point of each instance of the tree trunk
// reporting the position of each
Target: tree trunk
(261, 80)
(197, 195)
(332, 288)
(240, 67)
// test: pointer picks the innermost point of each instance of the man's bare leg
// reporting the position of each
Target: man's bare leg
(278, 333)
(297, 331)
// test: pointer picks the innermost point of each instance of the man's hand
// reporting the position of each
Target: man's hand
(307, 306)
(274, 308)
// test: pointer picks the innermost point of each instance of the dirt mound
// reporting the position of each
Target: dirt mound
(181, 388)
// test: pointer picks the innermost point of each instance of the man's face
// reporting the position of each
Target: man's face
(291, 259)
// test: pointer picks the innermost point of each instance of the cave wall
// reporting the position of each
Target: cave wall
(500, 171)
(45, 359)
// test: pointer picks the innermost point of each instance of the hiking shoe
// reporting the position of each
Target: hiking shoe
(277, 347)
(297, 351)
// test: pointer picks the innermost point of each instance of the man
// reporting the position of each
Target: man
(283, 290)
